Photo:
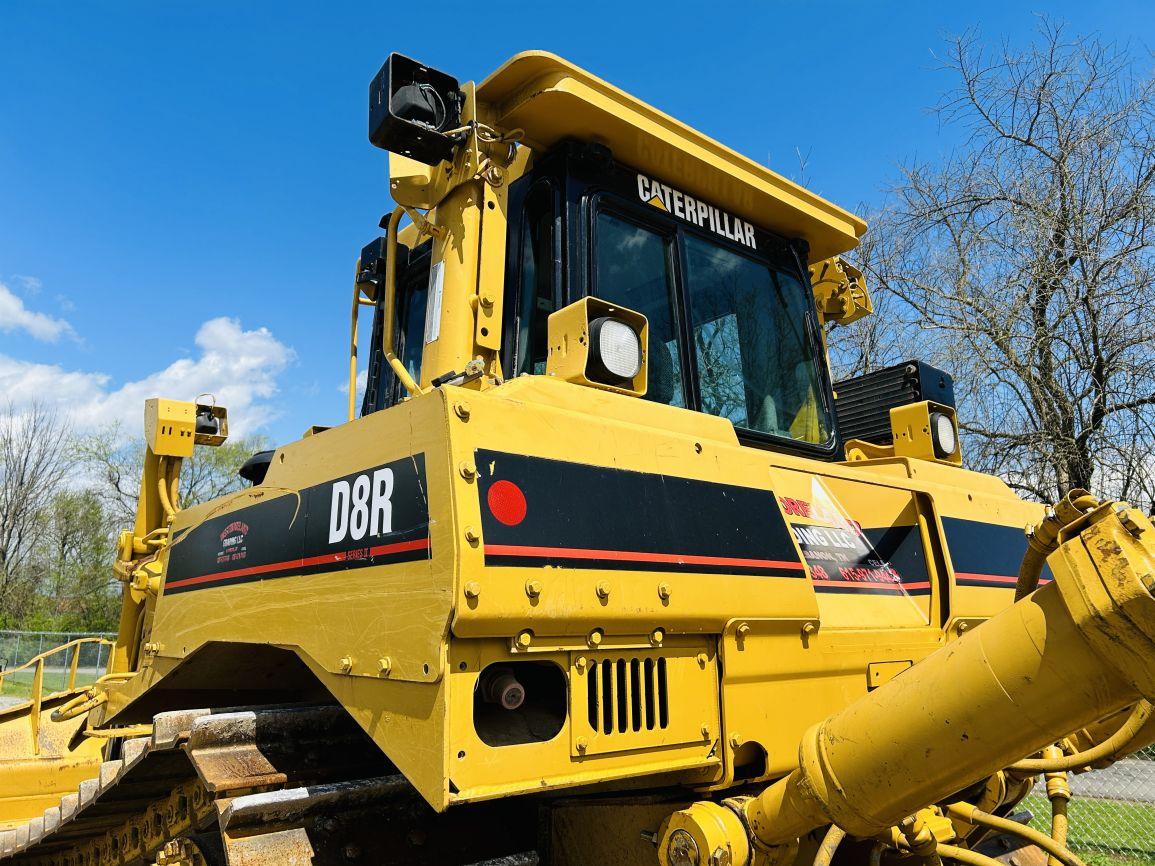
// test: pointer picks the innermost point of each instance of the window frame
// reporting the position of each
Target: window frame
(595, 201)
(387, 390)
(515, 273)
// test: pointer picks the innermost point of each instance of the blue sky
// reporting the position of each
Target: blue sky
(184, 186)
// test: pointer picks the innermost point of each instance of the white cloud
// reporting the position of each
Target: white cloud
(14, 316)
(238, 367)
(32, 285)
(362, 379)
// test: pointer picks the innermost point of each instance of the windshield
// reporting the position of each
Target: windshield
(753, 353)
(752, 350)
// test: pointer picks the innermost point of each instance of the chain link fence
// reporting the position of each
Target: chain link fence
(19, 647)
(1112, 812)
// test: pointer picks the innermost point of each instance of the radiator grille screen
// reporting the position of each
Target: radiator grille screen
(628, 694)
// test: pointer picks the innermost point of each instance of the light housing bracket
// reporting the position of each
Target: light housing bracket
(411, 108)
(571, 352)
(913, 429)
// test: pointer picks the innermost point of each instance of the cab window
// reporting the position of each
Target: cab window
(634, 268)
(747, 339)
(414, 308)
(752, 349)
(382, 389)
(539, 266)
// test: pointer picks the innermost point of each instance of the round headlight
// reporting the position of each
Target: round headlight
(616, 348)
(943, 434)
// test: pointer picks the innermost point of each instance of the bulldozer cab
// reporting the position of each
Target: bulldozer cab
(732, 328)
(732, 331)
(718, 267)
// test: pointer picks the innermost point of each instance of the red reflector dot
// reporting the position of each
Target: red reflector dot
(507, 502)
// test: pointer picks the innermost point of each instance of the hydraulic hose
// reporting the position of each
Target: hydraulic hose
(79, 705)
(126, 732)
(1058, 827)
(830, 843)
(1042, 540)
(1059, 793)
(966, 856)
(967, 812)
(174, 484)
(940, 849)
(163, 485)
(1109, 748)
(921, 840)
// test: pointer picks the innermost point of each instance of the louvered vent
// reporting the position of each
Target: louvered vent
(628, 694)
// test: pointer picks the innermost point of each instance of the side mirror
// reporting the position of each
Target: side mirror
(411, 107)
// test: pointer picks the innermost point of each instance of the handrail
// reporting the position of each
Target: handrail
(38, 697)
(48, 652)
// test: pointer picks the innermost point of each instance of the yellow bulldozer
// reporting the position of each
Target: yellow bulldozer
(603, 568)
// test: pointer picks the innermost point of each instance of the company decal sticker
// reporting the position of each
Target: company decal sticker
(233, 542)
(538, 512)
(986, 554)
(845, 557)
(700, 213)
(379, 516)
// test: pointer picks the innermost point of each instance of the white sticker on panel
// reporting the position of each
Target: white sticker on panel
(433, 304)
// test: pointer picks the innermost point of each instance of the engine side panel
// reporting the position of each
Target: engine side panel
(680, 608)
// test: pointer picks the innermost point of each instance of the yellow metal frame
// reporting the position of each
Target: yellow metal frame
(551, 99)
(42, 756)
(780, 674)
(911, 428)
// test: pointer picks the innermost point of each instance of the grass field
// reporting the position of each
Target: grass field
(1100, 859)
(1104, 832)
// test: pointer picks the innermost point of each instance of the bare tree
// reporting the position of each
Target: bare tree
(1027, 259)
(114, 466)
(887, 337)
(117, 463)
(35, 459)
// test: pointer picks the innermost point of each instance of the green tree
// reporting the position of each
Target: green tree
(75, 590)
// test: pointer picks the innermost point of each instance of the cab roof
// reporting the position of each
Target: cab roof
(551, 99)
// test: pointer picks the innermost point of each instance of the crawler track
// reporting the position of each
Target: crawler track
(275, 786)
